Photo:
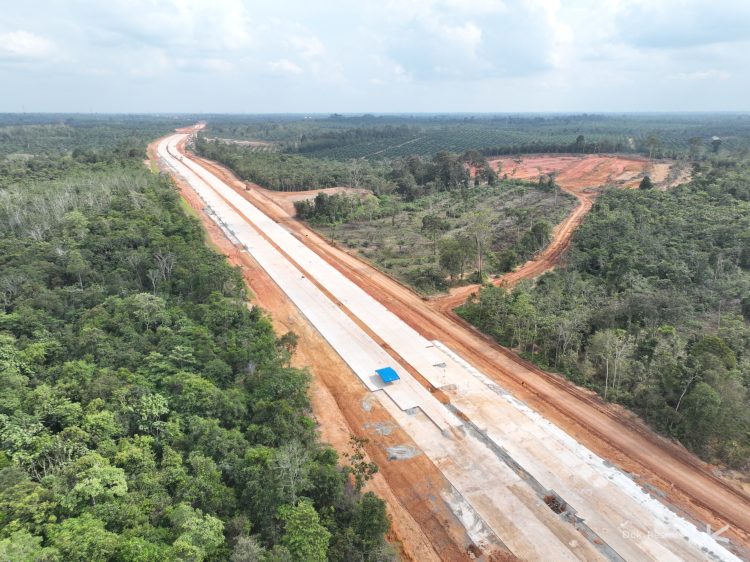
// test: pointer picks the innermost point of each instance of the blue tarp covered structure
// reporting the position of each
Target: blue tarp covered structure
(388, 374)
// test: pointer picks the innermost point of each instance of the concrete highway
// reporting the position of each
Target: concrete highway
(519, 480)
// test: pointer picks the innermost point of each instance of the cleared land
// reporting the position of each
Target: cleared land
(259, 146)
(582, 177)
(577, 173)
(486, 413)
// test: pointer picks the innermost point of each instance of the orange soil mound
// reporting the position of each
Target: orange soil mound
(575, 172)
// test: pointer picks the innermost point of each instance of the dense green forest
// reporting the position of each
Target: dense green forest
(147, 413)
(27, 135)
(652, 309)
(377, 137)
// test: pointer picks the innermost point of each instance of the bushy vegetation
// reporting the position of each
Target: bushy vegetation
(437, 239)
(396, 136)
(652, 310)
(337, 208)
(146, 412)
(287, 172)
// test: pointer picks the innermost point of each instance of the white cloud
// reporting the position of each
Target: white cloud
(370, 55)
(216, 65)
(285, 66)
(481, 39)
(24, 45)
(675, 24)
(308, 46)
(699, 75)
(195, 25)
(466, 37)
(384, 71)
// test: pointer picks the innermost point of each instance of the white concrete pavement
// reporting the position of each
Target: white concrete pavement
(609, 506)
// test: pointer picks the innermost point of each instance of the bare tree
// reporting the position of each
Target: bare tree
(290, 463)
(480, 231)
(356, 173)
(10, 285)
(154, 276)
(165, 261)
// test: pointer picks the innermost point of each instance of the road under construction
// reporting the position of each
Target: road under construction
(517, 480)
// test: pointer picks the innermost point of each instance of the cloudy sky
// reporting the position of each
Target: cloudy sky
(374, 55)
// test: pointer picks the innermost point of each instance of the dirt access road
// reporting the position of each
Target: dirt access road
(580, 176)
(604, 429)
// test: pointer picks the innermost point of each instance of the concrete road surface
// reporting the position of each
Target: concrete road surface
(518, 479)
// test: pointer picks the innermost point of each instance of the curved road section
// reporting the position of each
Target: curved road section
(518, 480)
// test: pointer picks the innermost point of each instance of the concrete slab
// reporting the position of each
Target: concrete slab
(508, 457)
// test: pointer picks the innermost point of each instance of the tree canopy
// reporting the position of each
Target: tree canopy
(147, 412)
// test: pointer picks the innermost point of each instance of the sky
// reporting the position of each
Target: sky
(379, 56)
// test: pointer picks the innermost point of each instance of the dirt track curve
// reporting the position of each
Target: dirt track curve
(541, 263)
(578, 176)
(687, 483)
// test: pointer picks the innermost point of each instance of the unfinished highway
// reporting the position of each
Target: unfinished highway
(520, 480)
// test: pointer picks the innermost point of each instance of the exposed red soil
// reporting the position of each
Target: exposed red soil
(580, 176)
(251, 143)
(687, 483)
(422, 525)
(576, 172)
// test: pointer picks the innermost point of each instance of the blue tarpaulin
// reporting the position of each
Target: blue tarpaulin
(388, 374)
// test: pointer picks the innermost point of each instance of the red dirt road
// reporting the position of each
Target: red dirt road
(687, 483)
(580, 176)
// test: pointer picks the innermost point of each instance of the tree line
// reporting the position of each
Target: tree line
(321, 140)
(579, 146)
(411, 177)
